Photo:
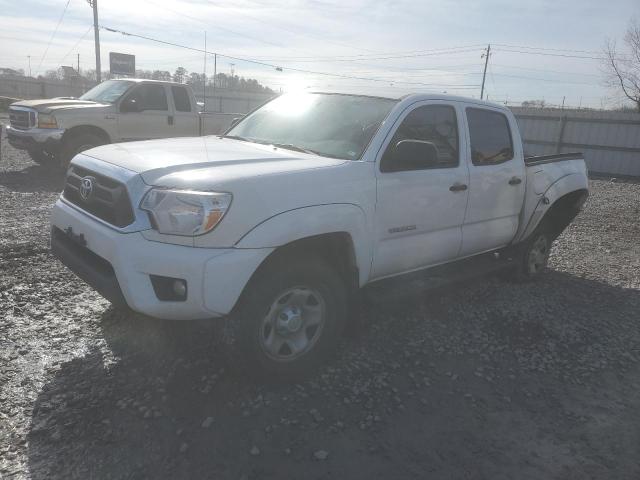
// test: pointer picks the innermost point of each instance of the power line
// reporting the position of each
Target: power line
(545, 70)
(299, 33)
(370, 55)
(234, 32)
(52, 36)
(277, 67)
(550, 54)
(76, 44)
(546, 48)
(391, 57)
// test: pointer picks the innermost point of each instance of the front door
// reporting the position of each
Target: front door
(420, 208)
(152, 117)
(497, 182)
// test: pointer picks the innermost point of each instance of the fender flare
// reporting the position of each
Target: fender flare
(86, 128)
(563, 186)
(310, 221)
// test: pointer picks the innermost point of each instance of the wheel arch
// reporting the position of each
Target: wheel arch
(559, 204)
(82, 129)
(340, 229)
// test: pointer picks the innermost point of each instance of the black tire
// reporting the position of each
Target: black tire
(532, 256)
(256, 316)
(41, 157)
(78, 143)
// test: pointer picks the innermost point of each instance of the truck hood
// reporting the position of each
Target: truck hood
(204, 162)
(53, 104)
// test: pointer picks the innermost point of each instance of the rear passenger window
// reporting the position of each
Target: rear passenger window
(181, 99)
(490, 137)
(436, 124)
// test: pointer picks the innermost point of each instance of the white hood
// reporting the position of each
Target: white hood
(204, 160)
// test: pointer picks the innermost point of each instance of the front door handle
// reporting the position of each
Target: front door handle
(515, 181)
(458, 187)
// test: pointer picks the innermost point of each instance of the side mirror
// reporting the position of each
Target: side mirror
(414, 155)
(235, 121)
(130, 105)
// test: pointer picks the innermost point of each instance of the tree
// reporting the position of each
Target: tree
(161, 75)
(533, 104)
(180, 75)
(623, 70)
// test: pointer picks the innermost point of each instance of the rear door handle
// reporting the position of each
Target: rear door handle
(170, 119)
(458, 187)
(515, 181)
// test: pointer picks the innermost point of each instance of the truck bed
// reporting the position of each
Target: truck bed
(558, 157)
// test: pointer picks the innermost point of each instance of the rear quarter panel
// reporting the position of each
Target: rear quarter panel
(549, 181)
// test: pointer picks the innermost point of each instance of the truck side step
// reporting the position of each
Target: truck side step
(416, 283)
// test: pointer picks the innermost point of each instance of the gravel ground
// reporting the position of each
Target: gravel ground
(484, 380)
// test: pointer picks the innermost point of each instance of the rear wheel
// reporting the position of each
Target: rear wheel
(533, 255)
(77, 144)
(289, 318)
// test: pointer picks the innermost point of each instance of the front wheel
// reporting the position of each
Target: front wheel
(76, 144)
(290, 317)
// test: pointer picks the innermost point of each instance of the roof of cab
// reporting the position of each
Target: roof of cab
(399, 93)
(139, 80)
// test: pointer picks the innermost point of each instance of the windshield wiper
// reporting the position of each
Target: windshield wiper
(236, 137)
(295, 148)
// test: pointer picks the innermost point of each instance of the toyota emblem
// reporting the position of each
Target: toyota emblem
(86, 188)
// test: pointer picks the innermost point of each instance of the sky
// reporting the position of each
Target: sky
(434, 45)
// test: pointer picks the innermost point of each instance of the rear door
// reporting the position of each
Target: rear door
(186, 120)
(419, 212)
(496, 179)
(155, 118)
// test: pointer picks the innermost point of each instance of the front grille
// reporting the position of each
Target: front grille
(108, 200)
(22, 119)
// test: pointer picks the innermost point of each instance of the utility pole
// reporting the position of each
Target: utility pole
(96, 34)
(29, 58)
(78, 64)
(215, 75)
(204, 76)
(484, 74)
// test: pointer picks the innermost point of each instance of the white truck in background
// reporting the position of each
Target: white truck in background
(304, 204)
(55, 130)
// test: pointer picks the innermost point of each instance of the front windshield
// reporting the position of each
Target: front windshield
(107, 92)
(330, 125)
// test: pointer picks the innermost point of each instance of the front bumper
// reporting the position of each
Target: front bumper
(118, 265)
(35, 138)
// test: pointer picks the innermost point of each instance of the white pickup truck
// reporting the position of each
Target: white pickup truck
(306, 202)
(56, 129)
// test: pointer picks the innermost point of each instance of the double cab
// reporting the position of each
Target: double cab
(281, 222)
(55, 130)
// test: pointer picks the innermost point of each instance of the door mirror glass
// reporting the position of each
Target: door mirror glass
(415, 155)
(130, 104)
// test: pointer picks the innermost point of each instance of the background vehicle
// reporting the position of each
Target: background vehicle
(303, 203)
(113, 111)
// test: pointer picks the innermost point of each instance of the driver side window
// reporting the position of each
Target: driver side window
(433, 124)
(149, 97)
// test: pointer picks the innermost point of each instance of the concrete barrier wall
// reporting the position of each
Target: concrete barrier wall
(218, 100)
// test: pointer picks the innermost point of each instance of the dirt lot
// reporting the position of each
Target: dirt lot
(485, 380)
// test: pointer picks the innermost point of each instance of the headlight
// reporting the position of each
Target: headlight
(47, 121)
(183, 212)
